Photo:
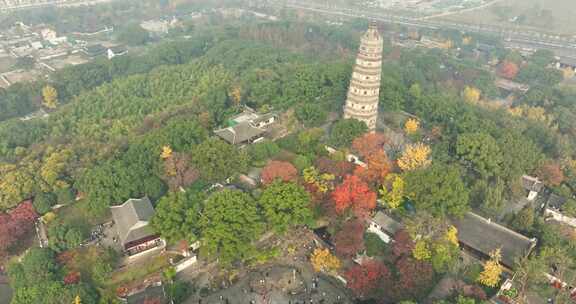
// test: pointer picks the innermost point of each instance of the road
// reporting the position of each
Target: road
(16, 5)
(524, 38)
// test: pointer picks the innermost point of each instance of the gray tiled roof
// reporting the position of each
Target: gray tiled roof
(239, 133)
(119, 49)
(95, 50)
(263, 117)
(531, 183)
(485, 236)
(387, 223)
(556, 201)
(131, 219)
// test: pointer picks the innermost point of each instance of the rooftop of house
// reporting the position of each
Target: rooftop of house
(483, 47)
(531, 183)
(131, 219)
(570, 61)
(118, 49)
(239, 133)
(510, 85)
(263, 117)
(246, 116)
(386, 222)
(485, 236)
(555, 201)
(94, 49)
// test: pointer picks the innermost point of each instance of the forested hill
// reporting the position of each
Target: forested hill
(96, 123)
(24, 98)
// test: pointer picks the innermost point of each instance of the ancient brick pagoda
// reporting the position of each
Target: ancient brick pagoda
(364, 91)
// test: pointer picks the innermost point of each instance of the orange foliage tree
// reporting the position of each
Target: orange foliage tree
(551, 173)
(323, 260)
(368, 144)
(281, 170)
(378, 167)
(508, 70)
(72, 278)
(354, 193)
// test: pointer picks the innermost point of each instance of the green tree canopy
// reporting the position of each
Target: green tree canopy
(43, 202)
(311, 114)
(480, 152)
(285, 205)
(177, 216)
(438, 189)
(38, 279)
(133, 34)
(229, 224)
(521, 156)
(217, 160)
(345, 131)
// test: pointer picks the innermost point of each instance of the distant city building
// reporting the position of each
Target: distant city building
(116, 51)
(48, 34)
(364, 91)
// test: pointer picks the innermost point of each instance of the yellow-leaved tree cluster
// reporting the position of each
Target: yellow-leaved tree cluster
(490, 276)
(323, 260)
(415, 156)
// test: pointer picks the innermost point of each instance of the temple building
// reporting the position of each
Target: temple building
(364, 91)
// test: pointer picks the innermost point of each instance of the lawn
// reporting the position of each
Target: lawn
(138, 271)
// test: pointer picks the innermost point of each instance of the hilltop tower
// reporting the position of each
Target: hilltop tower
(364, 91)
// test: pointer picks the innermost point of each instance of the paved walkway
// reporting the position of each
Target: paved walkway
(5, 290)
(277, 285)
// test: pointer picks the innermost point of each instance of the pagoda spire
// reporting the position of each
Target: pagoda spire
(364, 91)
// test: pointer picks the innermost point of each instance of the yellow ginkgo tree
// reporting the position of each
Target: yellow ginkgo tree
(415, 156)
(490, 276)
(323, 260)
(166, 152)
(411, 126)
(392, 191)
(50, 97)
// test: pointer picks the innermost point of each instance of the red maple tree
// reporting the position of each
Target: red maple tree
(15, 224)
(414, 277)
(7, 233)
(354, 193)
(350, 239)
(336, 168)
(403, 244)
(369, 144)
(279, 170)
(72, 278)
(508, 69)
(364, 278)
(378, 166)
(551, 173)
